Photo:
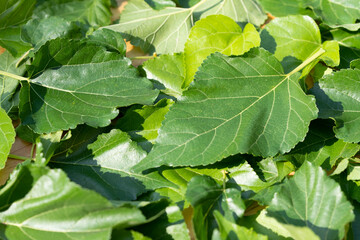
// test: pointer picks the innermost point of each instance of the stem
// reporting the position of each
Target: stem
(13, 76)
(32, 150)
(23, 57)
(141, 57)
(18, 157)
(317, 54)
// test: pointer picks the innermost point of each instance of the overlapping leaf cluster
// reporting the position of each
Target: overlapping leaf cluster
(250, 131)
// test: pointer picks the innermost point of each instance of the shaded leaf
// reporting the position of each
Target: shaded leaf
(9, 85)
(347, 55)
(143, 122)
(205, 195)
(63, 51)
(355, 64)
(10, 39)
(321, 145)
(66, 210)
(301, 202)
(104, 164)
(91, 12)
(269, 173)
(216, 33)
(286, 230)
(170, 225)
(14, 13)
(338, 97)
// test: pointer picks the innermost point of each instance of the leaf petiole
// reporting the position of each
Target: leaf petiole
(142, 58)
(13, 156)
(13, 76)
(317, 54)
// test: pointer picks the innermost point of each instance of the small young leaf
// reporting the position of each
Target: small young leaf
(168, 70)
(216, 33)
(166, 30)
(334, 13)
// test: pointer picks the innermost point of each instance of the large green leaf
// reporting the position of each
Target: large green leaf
(39, 31)
(169, 226)
(166, 30)
(312, 199)
(104, 164)
(321, 145)
(338, 97)
(7, 136)
(8, 85)
(233, 108)
(56, 208)
(206, 196)
(216, 33)
(335, 13)
(91, 12)
(14, 13)
(89, 93)
(232, 231)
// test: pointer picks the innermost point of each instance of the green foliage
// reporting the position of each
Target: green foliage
(300, 202)
(7, 136)
(338, 97)
(225, 133)
(166, 30)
